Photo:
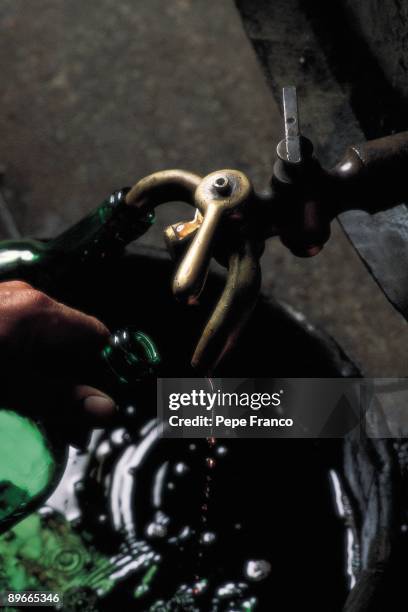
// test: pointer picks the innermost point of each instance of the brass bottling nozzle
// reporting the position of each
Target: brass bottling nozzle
(222, 199)
(219, 197)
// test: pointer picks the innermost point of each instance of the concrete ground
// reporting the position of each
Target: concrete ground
(95, 95)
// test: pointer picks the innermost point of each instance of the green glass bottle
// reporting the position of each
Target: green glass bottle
(28, 478)
(103, 233)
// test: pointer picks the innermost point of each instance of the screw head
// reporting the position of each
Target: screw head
(222, 185)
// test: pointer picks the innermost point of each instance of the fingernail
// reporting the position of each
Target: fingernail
(99, 405)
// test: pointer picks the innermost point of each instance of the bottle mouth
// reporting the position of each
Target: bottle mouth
(131, 355)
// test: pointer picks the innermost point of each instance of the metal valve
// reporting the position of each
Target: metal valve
(231, 222)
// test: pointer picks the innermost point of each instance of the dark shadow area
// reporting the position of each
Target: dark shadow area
(276, 491)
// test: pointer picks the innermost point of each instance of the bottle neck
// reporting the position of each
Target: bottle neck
(131, 355)
(104, 232)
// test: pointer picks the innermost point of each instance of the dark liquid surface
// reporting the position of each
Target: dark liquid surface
(190, 524)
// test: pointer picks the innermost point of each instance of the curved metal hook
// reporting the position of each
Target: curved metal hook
(162, 188)
(233, 309)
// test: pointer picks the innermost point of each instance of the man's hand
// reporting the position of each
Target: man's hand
(46, 349)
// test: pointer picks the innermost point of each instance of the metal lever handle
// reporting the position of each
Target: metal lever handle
(292, 127)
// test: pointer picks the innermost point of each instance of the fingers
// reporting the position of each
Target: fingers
(72, 337)
(96, 405)
(46, 349)
(35, 327)
(90, 408)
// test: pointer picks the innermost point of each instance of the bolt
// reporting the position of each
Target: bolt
(222, 185)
